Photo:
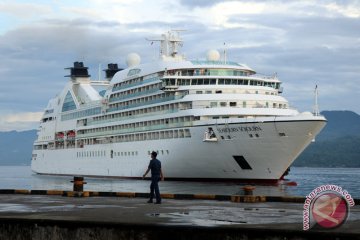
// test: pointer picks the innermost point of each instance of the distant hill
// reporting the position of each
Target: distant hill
(340, 124)
(338, 145)
(16, 147)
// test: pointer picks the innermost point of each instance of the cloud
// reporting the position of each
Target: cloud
(200, 3)
(24, 10)
(351, 9)
(22, 117)
(20, 121)
(305, 42)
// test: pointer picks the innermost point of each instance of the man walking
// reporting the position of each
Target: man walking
(156, 176)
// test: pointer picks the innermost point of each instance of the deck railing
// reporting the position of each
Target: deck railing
(135, 129)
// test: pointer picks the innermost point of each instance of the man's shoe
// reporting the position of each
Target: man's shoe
(158, 203)
(150, 201)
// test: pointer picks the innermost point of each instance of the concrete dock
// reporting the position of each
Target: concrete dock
(57, 217)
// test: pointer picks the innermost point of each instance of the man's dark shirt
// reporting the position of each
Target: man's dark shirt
(155, 166)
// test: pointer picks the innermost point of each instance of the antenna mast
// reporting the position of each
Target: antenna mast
(224, 53)
(169, 44)
(99, 72)
(316, 105)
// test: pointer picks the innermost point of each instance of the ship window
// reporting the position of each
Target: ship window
(102, 93)
(69, 103)
(232, 104)
(223, 104)
(242, 162)
(213, 104)
(199, 92)
(187, 133)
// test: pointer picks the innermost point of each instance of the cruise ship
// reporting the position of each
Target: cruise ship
(208, 120)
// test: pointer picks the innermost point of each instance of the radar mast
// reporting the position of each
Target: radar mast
(170, 43)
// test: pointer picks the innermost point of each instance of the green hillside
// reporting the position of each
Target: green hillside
(16, 147)
(338, 145)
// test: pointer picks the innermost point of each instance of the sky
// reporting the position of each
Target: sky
(306, 43)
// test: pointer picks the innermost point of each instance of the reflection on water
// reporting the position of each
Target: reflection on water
(21, 177)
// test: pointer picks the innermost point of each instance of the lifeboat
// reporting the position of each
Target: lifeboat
(60, 136)
(70, 134)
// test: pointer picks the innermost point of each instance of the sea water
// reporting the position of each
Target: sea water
(307, 179)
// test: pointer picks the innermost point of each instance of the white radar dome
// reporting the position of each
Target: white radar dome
(213, 55)
(133, 59)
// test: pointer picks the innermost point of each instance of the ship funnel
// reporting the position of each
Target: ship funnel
(111, 70)
(78, 70)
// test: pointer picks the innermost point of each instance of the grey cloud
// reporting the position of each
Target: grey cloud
(210, 3)
(33, 58)
(200, 3)
(82, 22)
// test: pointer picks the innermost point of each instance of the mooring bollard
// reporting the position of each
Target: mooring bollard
(248, 190)
(78, 184)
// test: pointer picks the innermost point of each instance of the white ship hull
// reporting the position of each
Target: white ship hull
(267, 154)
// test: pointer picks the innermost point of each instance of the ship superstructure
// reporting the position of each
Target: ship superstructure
(208, 119)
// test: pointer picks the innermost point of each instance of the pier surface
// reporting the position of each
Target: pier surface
(58, 217)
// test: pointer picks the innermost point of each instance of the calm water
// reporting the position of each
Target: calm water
(21, 177)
